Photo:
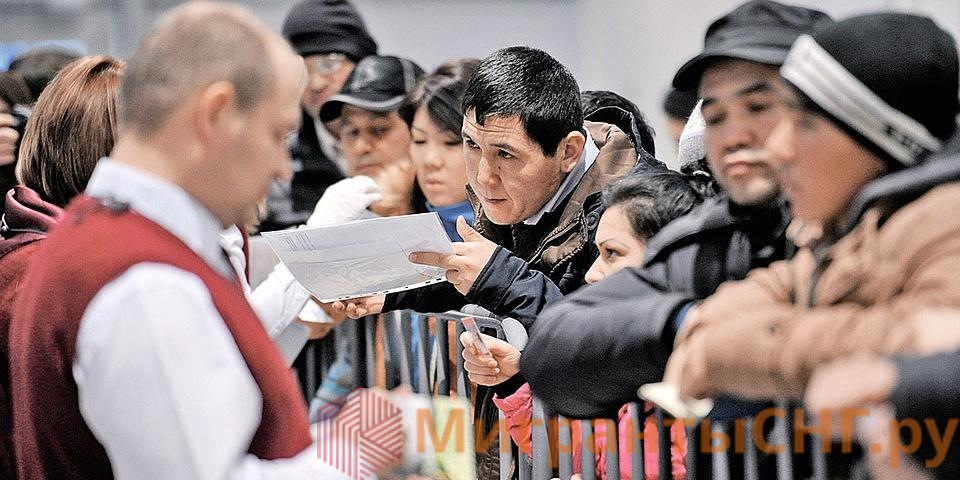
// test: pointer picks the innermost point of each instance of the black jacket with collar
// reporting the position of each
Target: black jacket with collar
(536, 265)
(608, 339)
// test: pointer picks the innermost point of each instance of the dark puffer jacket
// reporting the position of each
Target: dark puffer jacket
(633, 312)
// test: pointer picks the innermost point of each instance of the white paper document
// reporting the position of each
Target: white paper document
(362, 258)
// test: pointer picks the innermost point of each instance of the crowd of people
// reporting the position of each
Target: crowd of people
(803, 252)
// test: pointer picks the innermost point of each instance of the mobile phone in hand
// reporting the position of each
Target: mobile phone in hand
(471, 326)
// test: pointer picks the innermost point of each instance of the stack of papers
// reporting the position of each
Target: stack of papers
(362, 258)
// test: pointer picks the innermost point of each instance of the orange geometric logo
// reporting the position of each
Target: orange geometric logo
(361, 433)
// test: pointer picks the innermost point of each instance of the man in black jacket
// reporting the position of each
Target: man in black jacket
(588, 355)
(535, 169)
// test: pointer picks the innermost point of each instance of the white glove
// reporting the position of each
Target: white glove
(345, 201)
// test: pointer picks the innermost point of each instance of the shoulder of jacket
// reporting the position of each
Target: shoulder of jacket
(708, 218)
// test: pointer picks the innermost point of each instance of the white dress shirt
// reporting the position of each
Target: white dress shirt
(160, 379)
(278, 300)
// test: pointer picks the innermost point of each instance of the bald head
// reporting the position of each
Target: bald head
(192, 47)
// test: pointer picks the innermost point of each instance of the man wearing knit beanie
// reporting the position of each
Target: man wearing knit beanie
(872, 104)
(331, 37)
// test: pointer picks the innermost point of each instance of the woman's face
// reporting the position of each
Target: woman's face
(438, 158)
(618, 244)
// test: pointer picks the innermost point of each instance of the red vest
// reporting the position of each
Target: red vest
(91, 246)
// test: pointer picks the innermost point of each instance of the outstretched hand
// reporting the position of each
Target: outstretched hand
(359, 307)
(464, 265)
(496, 368)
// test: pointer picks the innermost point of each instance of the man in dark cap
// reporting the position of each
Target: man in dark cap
(867, 154)
(638, 309)
(331, 37)
(374, 138)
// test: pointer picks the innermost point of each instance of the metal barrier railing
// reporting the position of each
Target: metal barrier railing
(410, 355)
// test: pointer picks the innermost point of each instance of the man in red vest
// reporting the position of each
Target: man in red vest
(133, 351)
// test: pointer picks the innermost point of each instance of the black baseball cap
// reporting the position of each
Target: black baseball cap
(761, 31)
(378, 83)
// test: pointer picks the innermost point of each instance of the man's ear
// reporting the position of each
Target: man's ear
(570, 149)
(215, 111)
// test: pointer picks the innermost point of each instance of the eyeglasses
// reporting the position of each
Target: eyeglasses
(324, 64)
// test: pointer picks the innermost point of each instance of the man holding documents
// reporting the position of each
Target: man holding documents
(134, 353)
(534, 172)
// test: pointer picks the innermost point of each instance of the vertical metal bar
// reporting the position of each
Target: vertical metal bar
(693, 450)
(312, 376)
(356, 340)
(588, 460)
(782, 435)
(664, 446)
(638, 451)
(540, 439)
(565, 447)
(750, 467)
(391, 351)
(613, 449)
(506, 449)
(370, 348)
(403, 323)
(424, 347)
(819, 458)
(463, 384)
(328, 353)
(443, 358)
(721, 467)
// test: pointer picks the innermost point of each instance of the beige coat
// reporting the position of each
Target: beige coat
(763, 336)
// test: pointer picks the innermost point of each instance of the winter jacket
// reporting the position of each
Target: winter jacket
(895, 252)
(632, 314)
(518, 410)
(27, 219)
(291, 203)
(534, 266)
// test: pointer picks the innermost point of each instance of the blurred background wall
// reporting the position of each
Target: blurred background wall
(632, 47)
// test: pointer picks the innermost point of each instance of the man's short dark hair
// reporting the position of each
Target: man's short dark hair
(529, 84)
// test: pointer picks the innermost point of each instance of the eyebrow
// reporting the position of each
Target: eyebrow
(613, 240)
(759, 86)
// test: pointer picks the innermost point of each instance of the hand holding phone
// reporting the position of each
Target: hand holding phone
(470, 324)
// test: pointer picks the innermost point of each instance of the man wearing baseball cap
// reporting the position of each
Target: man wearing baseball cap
(639, 309)
(331, 37)
(375, 139)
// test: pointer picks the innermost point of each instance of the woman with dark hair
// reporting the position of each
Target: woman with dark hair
(73, 124)
(432, 110)
(635, 209)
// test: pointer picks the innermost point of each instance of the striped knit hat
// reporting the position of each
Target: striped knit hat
(889, 80)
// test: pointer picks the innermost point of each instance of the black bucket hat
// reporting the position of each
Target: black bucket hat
(761, 31)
